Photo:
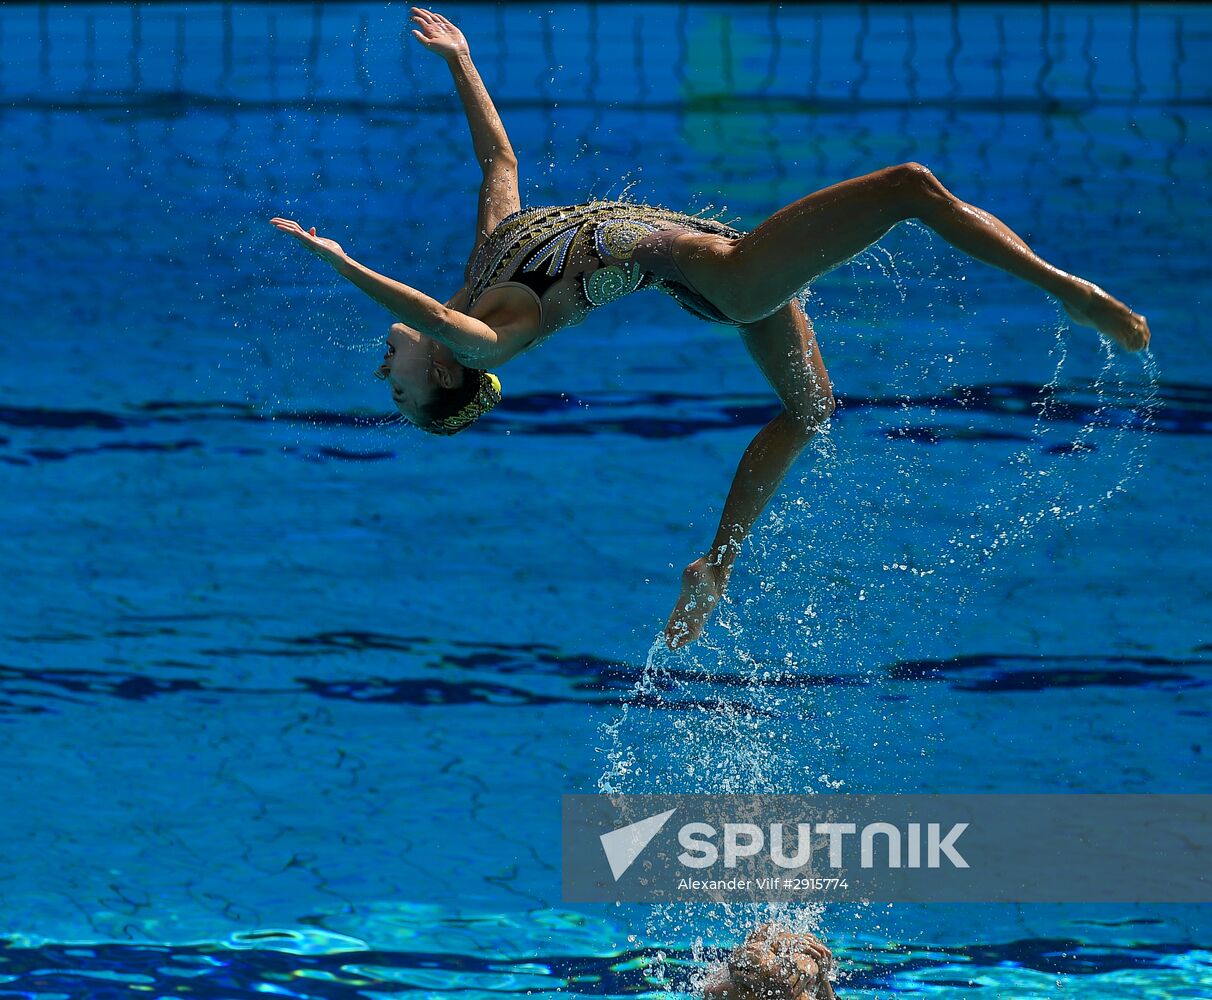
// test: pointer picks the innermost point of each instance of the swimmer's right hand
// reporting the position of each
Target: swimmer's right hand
(327, 250)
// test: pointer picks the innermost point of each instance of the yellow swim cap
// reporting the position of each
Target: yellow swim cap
(487, 396)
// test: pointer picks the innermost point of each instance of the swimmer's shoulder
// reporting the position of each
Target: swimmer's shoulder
(459, 301)
(517, 329)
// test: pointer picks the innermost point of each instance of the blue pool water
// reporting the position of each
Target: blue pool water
(290, 694)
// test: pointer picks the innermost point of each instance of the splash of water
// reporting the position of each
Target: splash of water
(769, 729)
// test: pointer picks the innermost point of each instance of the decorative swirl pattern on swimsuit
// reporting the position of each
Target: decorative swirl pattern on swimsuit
(609, 283)
(533, 239)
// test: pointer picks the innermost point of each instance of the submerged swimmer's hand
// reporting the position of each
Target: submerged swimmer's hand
(437, 34)
(774, 964)
(702, 587)
(327, 250)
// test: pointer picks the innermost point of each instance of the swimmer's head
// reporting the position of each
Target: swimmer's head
(415, 369)
(433, 390)
(774, 964)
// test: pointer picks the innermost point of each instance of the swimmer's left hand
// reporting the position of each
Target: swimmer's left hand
(327, 250)
(437, 34)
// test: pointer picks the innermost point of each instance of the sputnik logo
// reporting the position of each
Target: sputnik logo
(624, 845)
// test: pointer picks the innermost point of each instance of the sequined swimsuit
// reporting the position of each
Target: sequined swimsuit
(533, 247)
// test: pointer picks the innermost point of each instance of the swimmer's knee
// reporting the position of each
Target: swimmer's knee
(916, 184)
(821, 410)
(914, 175)
(806, 419)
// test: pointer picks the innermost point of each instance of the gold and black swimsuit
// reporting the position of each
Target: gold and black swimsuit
(532, 248)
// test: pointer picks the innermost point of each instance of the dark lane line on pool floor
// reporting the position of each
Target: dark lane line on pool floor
(1175, 408)
(586, 679)
(254, 962)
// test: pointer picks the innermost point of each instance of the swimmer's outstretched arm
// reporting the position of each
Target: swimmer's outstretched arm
(499, 190)
(466, 336)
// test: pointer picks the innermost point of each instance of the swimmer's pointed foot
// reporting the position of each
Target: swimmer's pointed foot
(1110, 317)
(702, 588)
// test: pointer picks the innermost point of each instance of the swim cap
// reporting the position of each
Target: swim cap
(488, 394)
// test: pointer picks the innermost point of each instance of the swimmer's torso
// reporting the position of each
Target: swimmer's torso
(564, 261)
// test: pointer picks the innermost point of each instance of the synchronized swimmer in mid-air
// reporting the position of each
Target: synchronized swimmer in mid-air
(534, 271)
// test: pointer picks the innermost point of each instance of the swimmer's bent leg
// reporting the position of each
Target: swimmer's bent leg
(762, 469)
(785, 348)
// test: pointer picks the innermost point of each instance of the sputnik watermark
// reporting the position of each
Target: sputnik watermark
(921, 848)
(623, 846)
(746, 840)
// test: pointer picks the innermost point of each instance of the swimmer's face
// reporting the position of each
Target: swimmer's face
(408, 369)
